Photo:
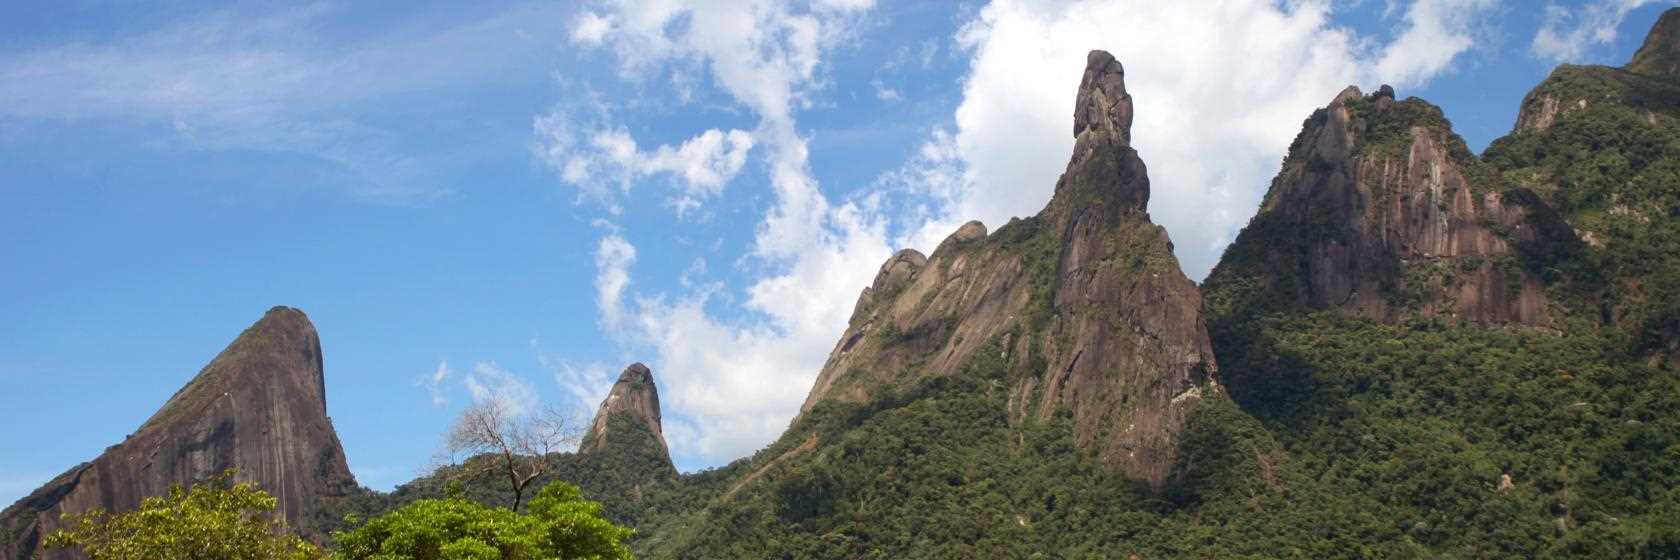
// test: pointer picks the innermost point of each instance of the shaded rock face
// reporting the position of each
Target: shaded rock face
(1084, 304)
(260, 407)
(633, 396)
(1660, 54)
(1381, 211)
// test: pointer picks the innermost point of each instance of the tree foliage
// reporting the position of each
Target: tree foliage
(217, 520)
(557, 524)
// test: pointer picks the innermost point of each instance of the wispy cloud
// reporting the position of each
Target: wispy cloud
(433, 383)
(1567, 34)
(268, 80)
(488, 382)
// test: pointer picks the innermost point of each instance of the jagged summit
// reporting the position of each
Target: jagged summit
(1103, 104)
(1083, 306)
(1382, 211)
(259, 406)
(1104, 168)
(634, 398)
(1660, 54)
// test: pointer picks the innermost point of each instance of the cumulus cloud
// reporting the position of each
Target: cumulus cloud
(735, 385)
(1219, 94)
(1567, 34)
(701, 166)
(488, 382)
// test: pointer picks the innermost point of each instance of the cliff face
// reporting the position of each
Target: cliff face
(633, 399)
(1381, 211)
(260, 407)
(1085, 301)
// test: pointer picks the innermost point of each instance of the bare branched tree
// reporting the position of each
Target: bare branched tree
(506, 442)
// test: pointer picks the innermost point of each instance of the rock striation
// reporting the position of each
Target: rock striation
(259, 406)
(1380, 210)
(1083, 303)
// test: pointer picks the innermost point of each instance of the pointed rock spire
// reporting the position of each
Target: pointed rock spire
(1103, 104)
(1104, 169)
(1660, 55)
(259, 407)
(635, 399)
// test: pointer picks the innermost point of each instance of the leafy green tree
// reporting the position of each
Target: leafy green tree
(558, 523)
(215, 520)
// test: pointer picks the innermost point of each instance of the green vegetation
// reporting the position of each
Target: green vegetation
(558, 523)
(217, 519)
(1610, 164)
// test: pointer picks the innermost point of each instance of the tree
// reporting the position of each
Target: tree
(497, 439)
(216, 519)
(559, 523)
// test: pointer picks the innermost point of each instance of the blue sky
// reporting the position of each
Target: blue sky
(515, 200)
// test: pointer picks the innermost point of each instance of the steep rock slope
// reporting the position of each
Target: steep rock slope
(636, 398)
(259, 406)
(625, 444)
(1602, 145)
(1380, 210)
(1084, 300)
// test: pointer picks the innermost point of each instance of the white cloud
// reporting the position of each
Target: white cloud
(1219, 94)
(885, 93)
(612, 265)
(589, 28)
(434, 383)
(1436, 32)
(609, 157)
(735, 385)
(1566, 35)
(488, 382)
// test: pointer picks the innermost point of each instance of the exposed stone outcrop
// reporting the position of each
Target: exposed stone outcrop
(1084, 304)
(260, 407)
(624, 450)
(1380, 210)
(636, 398)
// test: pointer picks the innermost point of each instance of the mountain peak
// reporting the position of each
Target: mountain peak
(259, 407)
(1660, 55)
(635, 398)
(1103, 104)
(1104, 169)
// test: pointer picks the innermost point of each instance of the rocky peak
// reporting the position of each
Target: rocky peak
(1103, 106)
(259, 407)
(1660, 55)
(1381, 210)
(1083, 304)
(628, 417)
(1104, 169)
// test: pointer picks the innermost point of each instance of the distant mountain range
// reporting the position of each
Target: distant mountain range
(1410, 351)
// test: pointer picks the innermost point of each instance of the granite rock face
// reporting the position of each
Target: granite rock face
(636, 398)
(625, 446)
(1083, 303)
(1380, 210)
(259, 406)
